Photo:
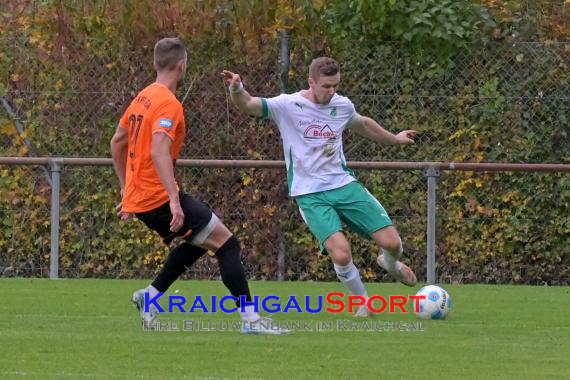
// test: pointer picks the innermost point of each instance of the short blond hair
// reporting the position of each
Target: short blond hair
(168, 52)
(323, 66)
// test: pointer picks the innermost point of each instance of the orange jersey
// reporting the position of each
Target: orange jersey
(154, 110)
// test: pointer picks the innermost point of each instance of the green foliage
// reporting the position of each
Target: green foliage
(436, 26)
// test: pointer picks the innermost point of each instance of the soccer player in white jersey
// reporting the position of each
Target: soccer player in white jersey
(311, 123)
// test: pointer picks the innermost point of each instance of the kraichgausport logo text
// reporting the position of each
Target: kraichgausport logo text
(333, 302)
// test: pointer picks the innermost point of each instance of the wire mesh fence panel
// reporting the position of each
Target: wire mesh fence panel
(24, 221)
(505, 96)
(93, 241)
(500, 94)
(502, 228)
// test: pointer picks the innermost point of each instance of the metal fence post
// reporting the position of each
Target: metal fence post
(281, 270)
(55, 171)
(283, 60)
(283, 82)
(432, 175)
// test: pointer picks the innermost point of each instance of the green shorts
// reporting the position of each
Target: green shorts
(352, 204)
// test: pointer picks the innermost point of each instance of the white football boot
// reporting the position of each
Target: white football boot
(147, 318)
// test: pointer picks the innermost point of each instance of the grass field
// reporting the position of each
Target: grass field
(78, 329)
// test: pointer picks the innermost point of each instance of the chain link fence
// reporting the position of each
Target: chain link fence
(505, 102)
(518, 88)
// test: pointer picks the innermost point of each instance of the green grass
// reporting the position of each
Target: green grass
(84, 329)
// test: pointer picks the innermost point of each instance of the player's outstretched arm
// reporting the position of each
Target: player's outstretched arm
(241, 98)
(368, 127)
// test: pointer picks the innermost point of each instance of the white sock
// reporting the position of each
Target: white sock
(249, 315)
(350, 277)
(152, 291)
(391, 259)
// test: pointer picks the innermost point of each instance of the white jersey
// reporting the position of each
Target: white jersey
(312, 140)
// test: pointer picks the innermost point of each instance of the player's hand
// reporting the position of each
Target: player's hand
(177, 216)
(232, 80)
(406, 137)
(122, 214)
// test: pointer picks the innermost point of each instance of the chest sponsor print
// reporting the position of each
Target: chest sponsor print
(319, 132)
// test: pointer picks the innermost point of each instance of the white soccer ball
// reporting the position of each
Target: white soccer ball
(436, 305)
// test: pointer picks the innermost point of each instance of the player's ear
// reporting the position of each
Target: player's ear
(311, 82)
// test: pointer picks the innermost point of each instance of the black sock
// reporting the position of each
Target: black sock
(179, 259)
(231, 269)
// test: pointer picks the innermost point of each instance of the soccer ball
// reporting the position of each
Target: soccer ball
(436, 305)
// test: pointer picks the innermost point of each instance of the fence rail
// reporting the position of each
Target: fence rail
(277, 164)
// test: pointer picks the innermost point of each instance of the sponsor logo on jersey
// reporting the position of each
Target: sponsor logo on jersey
(165, 123)
(315, 131)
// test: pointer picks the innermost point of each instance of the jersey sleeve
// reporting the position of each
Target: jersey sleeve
(354, 120)
(167, 118)
(124, 120)
(273, 107)
(353, 116)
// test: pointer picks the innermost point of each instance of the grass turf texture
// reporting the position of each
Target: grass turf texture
(88, 329)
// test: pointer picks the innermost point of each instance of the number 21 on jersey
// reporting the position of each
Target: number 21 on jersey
(135, 122)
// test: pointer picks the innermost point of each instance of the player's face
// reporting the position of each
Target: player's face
(325, 87)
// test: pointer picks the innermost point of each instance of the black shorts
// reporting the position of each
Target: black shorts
(197, 215)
